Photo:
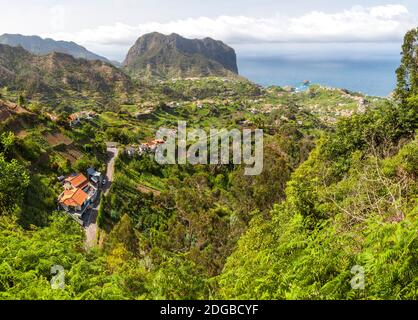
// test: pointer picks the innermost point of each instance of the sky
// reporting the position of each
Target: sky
(253, 27)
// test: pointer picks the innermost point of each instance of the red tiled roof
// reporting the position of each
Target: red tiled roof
(73, 116)
(73, 198)
(78, 181)
(153, 143)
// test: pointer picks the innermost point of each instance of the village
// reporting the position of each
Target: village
(143, 148)
(81, 193)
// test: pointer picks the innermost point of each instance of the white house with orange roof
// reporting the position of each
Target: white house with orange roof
(78, 195)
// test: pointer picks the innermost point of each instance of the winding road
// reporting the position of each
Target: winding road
(90, 224)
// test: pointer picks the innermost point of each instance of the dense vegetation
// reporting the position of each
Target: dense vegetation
(338, 190)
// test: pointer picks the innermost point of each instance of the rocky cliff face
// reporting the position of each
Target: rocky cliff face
(39, 46)
(161, 56)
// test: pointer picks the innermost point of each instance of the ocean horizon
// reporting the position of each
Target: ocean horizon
(375, 77)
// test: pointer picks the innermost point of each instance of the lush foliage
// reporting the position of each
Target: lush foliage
(338, 190)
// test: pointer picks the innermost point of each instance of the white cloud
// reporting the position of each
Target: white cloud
(388, 11)
(57, 15)
(359, 24)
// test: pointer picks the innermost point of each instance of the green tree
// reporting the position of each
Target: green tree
(14, 179)
(21, 100)
(29, 255)
(7, 140)
(178, 279)
(407, 73)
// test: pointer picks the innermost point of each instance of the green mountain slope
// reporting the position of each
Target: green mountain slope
(59, 74)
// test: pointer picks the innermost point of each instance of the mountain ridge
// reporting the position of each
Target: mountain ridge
(56, 73)
(43, 46)
(173, 56)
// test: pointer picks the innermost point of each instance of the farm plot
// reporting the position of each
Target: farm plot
(57, 138)
(71, 153)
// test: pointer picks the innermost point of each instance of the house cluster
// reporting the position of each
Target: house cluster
(76, 118)
(184, 79)
(148, 147)
(80, 192)
(173, 104)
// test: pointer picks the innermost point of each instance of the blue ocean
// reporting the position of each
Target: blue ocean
(372, 77)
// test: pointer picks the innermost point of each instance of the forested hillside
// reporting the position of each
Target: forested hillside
(60, 79)
(352, 203)
(338, 190)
